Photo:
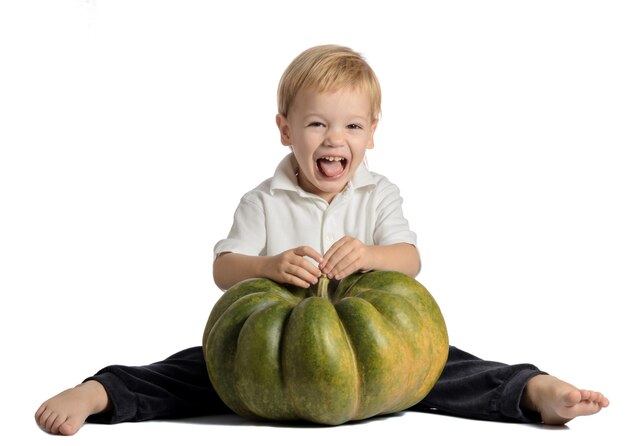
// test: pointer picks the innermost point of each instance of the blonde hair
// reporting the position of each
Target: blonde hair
(326, 68)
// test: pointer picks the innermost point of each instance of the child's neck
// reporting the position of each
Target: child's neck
(326, 196)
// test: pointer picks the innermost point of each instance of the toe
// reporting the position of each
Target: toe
(58, 421)
(572, 398)
(68, 427)
(46, 419)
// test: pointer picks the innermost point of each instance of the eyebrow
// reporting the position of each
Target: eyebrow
(364, 117)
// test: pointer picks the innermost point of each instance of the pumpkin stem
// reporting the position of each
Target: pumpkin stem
(322, 287)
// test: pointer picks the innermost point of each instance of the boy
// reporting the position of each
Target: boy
(321, 199)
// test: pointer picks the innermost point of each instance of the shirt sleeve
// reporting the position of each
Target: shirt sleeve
(248, 233)
(391, 227)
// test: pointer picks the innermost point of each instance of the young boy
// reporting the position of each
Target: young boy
(321, 199)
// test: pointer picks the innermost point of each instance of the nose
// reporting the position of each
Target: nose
(333, 137)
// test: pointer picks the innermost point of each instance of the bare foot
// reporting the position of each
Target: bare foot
(559, 402)
(65, 413)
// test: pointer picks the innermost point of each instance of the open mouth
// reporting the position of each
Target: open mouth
(331, 166)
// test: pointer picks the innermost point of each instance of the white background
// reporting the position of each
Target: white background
(130, 129)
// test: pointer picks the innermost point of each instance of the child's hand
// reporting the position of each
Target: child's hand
(292, 267)
(346, 256)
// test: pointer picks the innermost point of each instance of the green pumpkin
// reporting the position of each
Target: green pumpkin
(374, 343)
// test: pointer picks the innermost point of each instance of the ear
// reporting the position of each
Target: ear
(283, 128)
(370, 140)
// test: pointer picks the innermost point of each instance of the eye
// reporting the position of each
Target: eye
(315, 124)
(355, 126)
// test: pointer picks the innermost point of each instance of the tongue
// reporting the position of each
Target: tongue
(330, 168)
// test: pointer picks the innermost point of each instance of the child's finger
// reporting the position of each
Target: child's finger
(295, 280)
(302, 278)
(307, 251)
(304, 270)
(338, 244)
(335, 255)
(300, 262)
(345, 266)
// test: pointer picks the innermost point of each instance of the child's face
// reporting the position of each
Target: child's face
(328, 133)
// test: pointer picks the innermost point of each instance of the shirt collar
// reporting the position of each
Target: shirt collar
(285, 176)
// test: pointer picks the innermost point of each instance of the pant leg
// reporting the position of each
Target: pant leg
(176, 387)
(473, 388)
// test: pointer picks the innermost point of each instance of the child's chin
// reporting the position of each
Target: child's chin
(336, 181)
(333, 187)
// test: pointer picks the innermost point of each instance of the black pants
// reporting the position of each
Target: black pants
(179, 387)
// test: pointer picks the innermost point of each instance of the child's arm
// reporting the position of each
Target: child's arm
(288, 267)
(349, 255)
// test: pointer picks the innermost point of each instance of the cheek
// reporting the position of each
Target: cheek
(308, 143)
(361, 146)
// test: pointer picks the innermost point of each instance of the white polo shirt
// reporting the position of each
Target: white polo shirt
(278, 215)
